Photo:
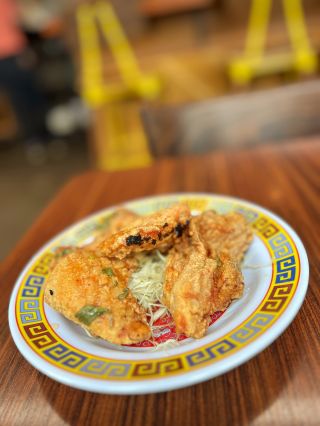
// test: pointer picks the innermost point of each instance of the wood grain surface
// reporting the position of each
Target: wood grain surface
(280, 386)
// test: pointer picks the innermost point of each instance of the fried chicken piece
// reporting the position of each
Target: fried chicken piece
(229, 233)
(120, 219)
(187, 290)
(92, 291)
(148, 232)
(228, 282)
(197, 285)
(59, 253)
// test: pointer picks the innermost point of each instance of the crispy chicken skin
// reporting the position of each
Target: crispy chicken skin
(120, 219)
(148, 232)
(229, 233)
(59, 253)
(198, 284)
(188, 285)
(83, 279)
(228, 282)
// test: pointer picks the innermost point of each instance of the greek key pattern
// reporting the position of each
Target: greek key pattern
(44, 341)
(29, 310)
(265, 227)
(250, 215)
(286, 270)
(158, 368)
(280, 246)
(277, 298)
(43, 266)
(32, 286)
(65, 356)
(39, 335)
(102, 369)
(213, 351)
(196, 203)
(254, 326)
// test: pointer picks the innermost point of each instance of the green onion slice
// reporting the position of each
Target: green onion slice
(124, 294)
(89, 313)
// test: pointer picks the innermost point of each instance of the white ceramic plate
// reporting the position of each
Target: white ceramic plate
(274, 292)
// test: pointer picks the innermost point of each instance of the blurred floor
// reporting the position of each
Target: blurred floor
(25, 189)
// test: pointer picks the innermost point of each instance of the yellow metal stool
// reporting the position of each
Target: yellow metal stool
(125, 145)
(253, 62)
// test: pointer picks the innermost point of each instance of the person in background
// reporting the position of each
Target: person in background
(47, 25)
(17, 80)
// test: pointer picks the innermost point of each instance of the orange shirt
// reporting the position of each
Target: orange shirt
(12, 39)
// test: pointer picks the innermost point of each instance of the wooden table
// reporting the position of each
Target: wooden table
(280, 386)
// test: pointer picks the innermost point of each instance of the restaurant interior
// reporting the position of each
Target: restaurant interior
(116, 85)
(159, 214)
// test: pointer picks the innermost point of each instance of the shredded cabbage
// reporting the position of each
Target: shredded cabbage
(146, 285)
(169, 344)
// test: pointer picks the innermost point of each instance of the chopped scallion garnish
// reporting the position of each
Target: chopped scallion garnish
(89, 313)
(107, 271)
(124, 294)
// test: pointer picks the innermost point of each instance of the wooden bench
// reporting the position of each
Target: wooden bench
(234, 121)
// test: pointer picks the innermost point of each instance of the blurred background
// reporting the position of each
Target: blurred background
(112, 85)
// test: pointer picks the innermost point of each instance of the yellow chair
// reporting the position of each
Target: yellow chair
(134, 82)
(122, 145)
(253, 62)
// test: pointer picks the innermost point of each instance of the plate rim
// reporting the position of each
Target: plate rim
(186, 378)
